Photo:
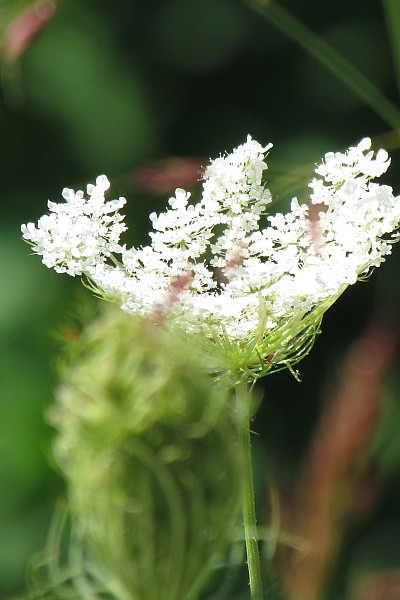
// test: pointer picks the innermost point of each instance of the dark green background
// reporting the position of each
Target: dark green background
(110, 86)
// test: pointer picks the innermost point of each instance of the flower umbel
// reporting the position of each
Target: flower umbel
(258, 290)
(80, 233)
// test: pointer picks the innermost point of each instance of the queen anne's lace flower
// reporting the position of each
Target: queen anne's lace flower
(258, 293)
(80, 233)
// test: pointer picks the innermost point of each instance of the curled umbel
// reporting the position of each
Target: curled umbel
(148, 445)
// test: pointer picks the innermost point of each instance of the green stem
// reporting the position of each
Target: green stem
(329, 58)
(392, 13)
(248, 502)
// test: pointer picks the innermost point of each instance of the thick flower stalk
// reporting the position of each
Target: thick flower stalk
(256, 284)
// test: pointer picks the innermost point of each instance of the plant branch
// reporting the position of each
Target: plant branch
(329, 58)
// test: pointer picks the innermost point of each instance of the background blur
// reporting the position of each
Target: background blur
(146, 92)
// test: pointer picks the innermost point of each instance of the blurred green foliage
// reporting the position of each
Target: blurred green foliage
(111, 86)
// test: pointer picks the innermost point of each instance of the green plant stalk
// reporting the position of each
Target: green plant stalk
(248, 502)
(392, 14)
(330, 58)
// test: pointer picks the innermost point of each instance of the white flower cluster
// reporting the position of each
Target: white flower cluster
(80, 233)
(215, 267)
